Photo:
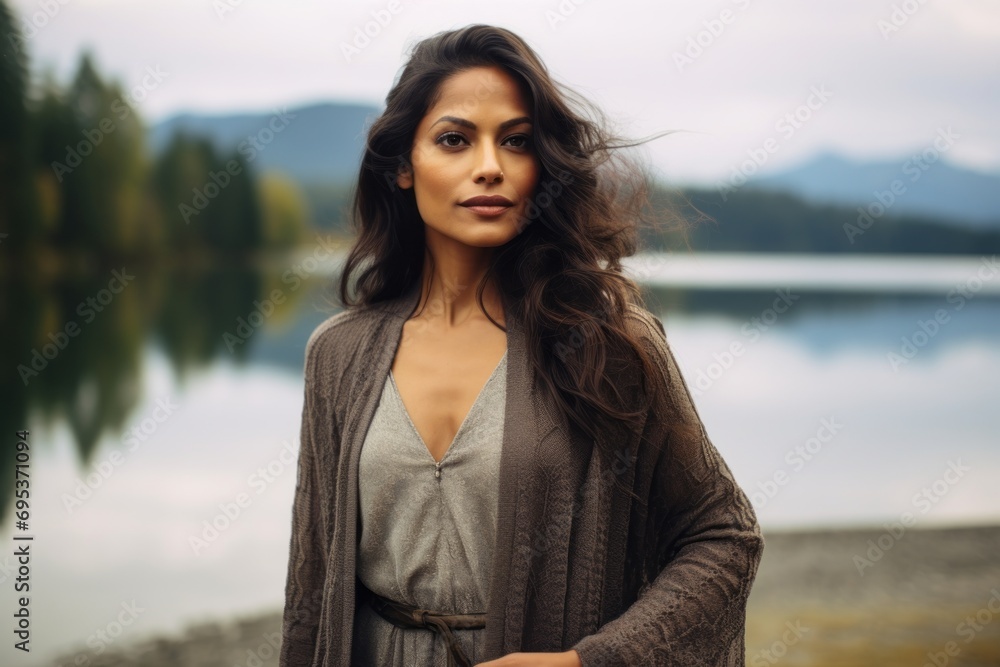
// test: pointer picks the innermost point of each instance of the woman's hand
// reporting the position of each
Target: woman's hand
(567, 659)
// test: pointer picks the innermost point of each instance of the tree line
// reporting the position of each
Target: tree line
(76, 177)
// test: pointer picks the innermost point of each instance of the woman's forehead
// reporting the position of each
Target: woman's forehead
(485, 93)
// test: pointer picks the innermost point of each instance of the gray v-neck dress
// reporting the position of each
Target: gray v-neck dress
(428, 528)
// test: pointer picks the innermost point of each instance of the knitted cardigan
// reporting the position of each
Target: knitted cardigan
(578, 563)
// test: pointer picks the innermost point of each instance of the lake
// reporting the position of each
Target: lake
(842, 392)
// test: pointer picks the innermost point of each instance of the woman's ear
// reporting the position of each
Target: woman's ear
(404, 176)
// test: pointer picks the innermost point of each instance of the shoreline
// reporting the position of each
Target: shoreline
(811, 604)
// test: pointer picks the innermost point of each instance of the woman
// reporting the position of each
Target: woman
(500, 462)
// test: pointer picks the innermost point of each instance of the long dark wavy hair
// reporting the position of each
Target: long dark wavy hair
(562, 274)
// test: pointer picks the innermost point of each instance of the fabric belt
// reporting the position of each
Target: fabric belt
(403, 615)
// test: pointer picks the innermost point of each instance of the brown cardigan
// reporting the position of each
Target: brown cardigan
(577, 564)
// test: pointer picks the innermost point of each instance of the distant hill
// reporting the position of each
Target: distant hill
(322, 144)
(951, 194)
(811, 208)
(319, 144)
(751, 220)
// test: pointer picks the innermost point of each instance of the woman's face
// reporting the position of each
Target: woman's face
(475, 141)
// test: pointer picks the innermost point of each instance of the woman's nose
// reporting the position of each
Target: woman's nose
(488, 165)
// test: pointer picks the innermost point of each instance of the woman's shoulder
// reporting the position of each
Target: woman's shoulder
(334, 340)
(649, 325)
(327, 331)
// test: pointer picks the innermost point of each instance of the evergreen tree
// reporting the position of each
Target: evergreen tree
(18, 223)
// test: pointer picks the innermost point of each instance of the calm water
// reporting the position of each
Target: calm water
(833, 406)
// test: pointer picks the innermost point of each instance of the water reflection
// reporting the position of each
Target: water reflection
(74, 345)
(77, 341)
(129, 537)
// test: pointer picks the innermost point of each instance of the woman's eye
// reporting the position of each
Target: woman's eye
(522, 138)
(445, 138)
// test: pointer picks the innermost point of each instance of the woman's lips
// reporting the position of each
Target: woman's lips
(488, 211)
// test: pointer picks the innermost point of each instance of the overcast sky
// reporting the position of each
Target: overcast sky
(883, 76)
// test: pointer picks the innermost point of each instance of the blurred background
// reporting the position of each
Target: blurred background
(173, 181)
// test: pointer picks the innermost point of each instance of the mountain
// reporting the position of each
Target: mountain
(752, 220)
(320, 143)
(929, 189)
(810, 208)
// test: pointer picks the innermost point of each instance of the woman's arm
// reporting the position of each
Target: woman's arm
(694, 612)
(307, 551)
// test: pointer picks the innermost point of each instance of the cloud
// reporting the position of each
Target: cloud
(891, 88)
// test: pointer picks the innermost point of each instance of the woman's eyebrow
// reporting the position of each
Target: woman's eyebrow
(469, 124)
